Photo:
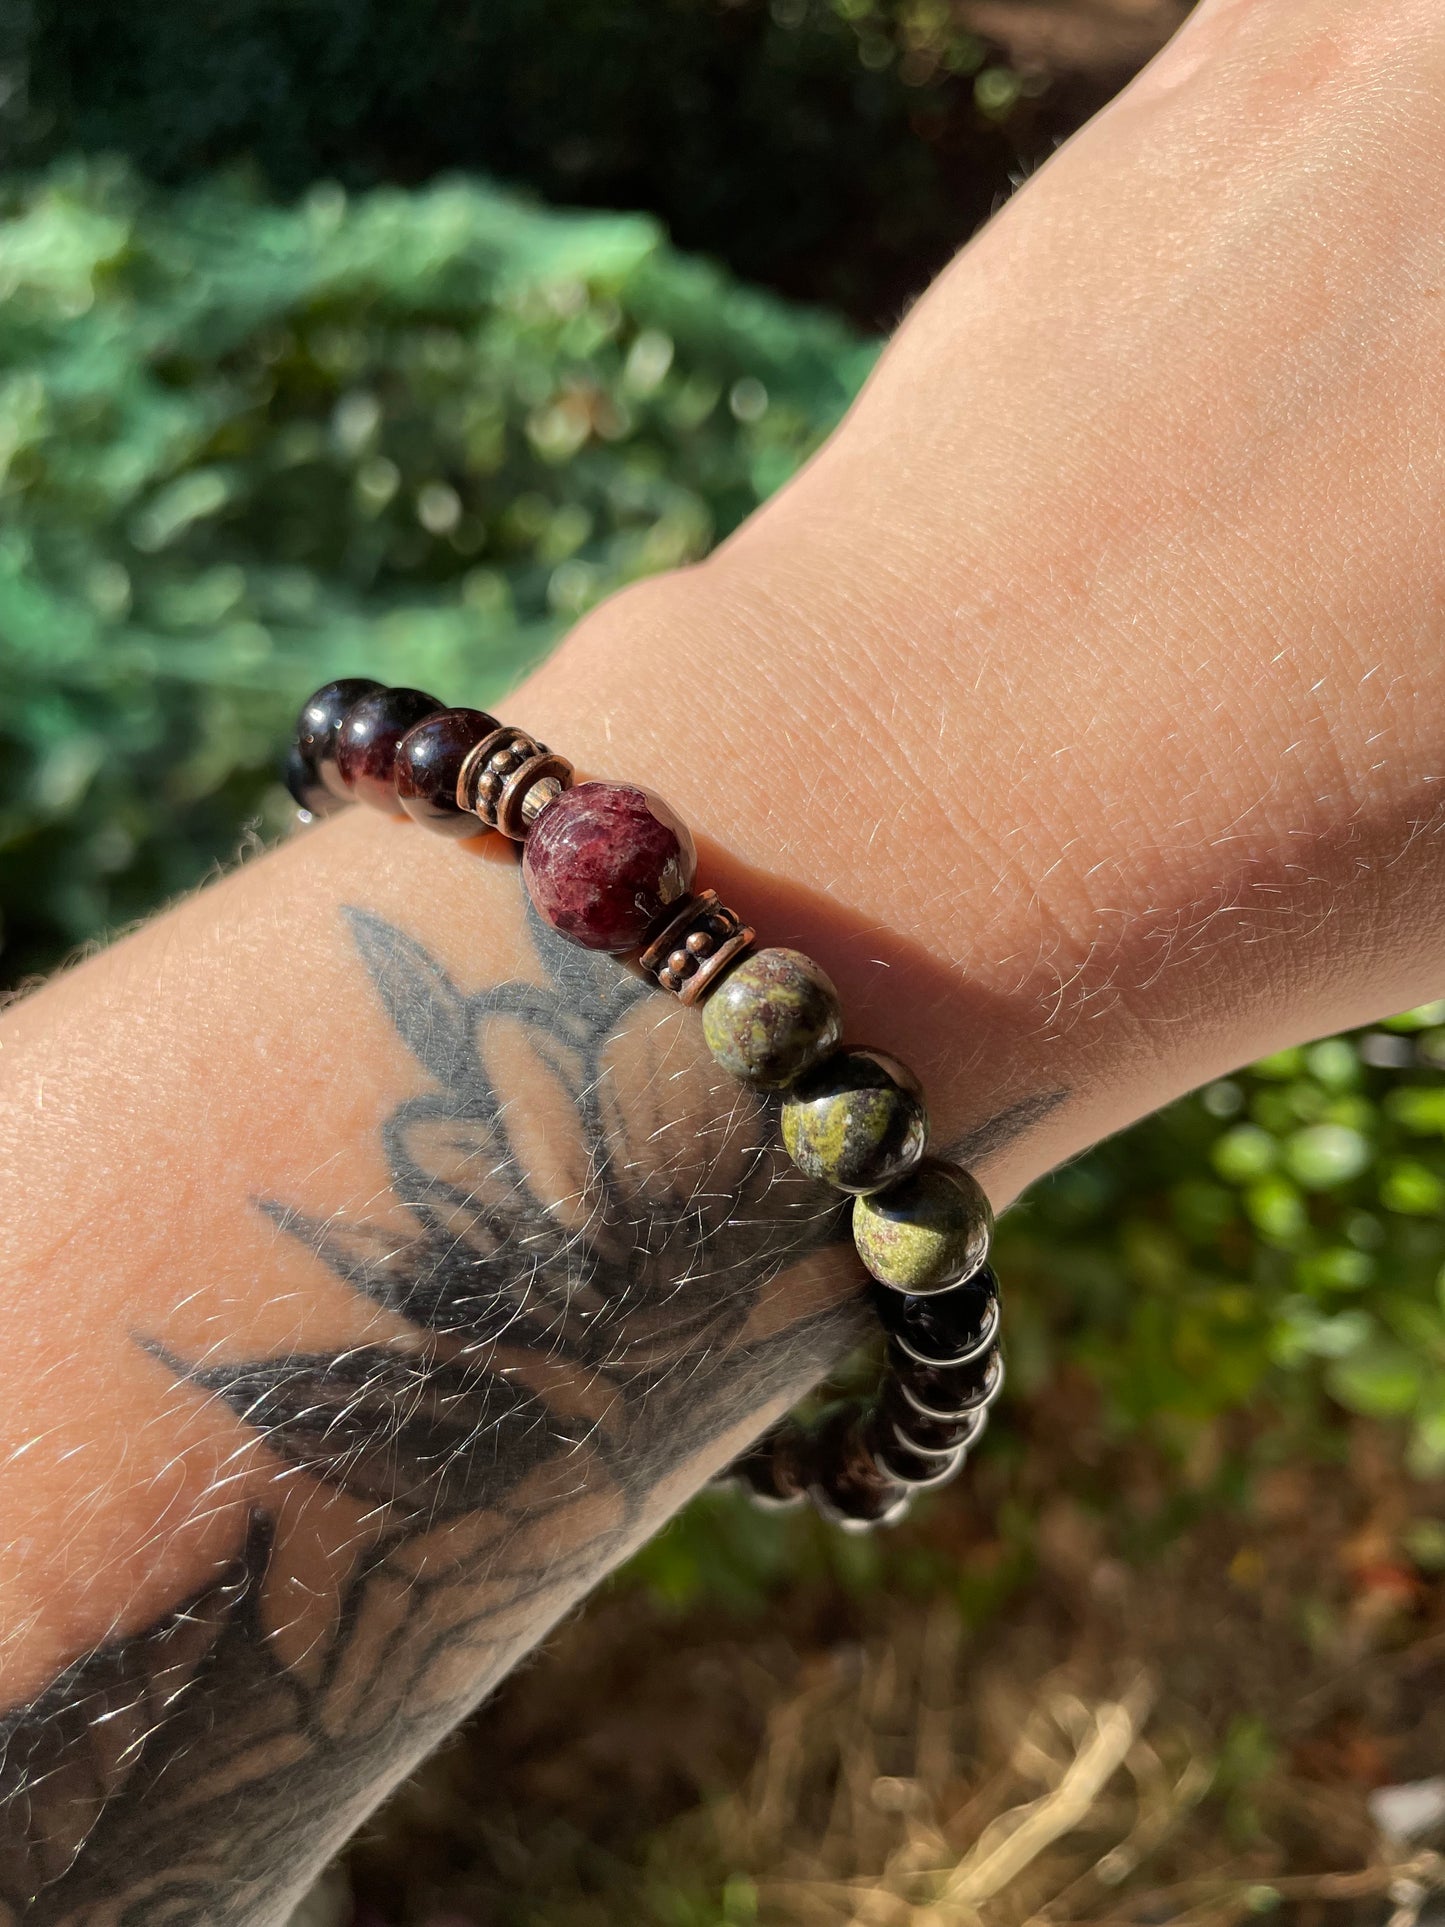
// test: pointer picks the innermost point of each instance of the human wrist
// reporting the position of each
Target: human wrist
(1075, 661)
(800, 804)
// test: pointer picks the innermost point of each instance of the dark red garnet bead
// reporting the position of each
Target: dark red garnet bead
(604, 861)
(322, 715)
(310, 793)
(429, 760)
(366, 743)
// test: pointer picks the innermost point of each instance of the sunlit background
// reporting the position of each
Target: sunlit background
(341, 337)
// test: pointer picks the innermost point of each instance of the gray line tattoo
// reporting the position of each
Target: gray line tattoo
(598, 1280)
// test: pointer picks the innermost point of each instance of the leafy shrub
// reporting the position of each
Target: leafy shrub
(1281, 1230)
(243, 448)
(837, 149)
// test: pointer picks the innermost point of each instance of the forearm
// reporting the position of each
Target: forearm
(387, 1272)
(1055, 754)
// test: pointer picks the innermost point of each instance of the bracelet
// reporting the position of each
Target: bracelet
(611, 867)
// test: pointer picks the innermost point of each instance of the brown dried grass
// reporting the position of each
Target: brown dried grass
(1190, 1738)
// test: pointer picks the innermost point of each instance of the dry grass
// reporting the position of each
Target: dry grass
(1189, 1737)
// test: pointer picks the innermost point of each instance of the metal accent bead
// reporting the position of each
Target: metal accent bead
(508, 779)
(694, 947)
(928, 1231)
(545, 790)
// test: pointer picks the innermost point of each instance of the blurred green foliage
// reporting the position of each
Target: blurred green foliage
(244, 448)
(837, 149)
(1281, 1230)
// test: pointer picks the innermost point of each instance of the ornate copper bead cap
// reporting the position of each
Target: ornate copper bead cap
(508, 779)
(695, 945)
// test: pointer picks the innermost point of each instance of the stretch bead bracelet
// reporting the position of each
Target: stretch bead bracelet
(611, 867)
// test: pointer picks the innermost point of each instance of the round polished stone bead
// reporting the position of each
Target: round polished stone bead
(913, 1469)
(322, 714)
(311, 795)
(429, 759)
(367, 741)
(927, 1231)
(603, 862)
(849, 1487)
(925, 1432)
(946, 1327)
(948, 1391)
(775, 1471)
(857, 1120)
(773, 1016)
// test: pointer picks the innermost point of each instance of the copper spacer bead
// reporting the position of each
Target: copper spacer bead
(695, 946)
(508, 779)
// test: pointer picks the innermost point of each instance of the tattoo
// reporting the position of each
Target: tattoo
(607, 1265)
(583, 1302)
(995, 1133)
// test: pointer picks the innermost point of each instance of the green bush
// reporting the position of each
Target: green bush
(244, 448)
(1280, 1231)
(836, 149)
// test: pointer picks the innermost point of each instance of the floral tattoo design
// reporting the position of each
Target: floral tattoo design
(600, 1277)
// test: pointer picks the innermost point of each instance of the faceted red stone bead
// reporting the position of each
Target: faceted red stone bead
(429, 760)
(604, 861)
(367, 741)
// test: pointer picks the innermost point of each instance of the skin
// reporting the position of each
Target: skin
(1079, 710)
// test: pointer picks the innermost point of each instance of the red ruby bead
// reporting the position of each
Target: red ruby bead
(604, 861)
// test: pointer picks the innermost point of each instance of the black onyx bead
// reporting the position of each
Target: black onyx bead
(914, 1470)
(311, 795)
(848, 1486)
(322, 715)
(917, 1431)
(949, 1391)
(366, 743)
(429, 760)
(945, 1327)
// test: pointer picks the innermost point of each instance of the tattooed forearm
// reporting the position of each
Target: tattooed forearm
(607, 1265)
(582, 1302)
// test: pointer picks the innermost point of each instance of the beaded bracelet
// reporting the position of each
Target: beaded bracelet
(611, 867)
